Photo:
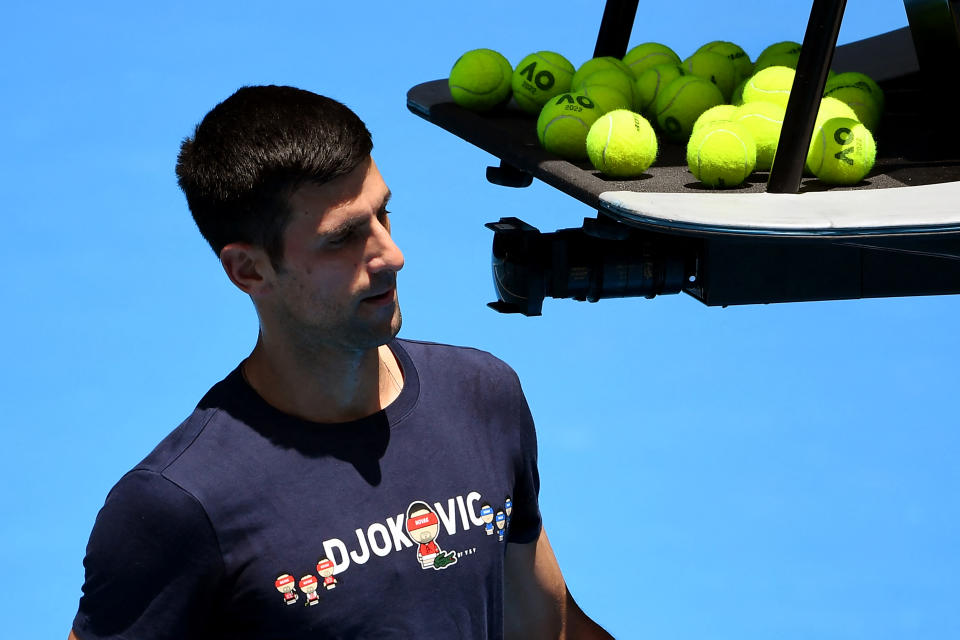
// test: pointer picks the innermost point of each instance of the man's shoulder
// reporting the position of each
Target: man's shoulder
(185, 436)
(470, 359)
(176, 444)
(463, 372)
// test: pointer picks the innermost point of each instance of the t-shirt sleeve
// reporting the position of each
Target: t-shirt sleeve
(152, 564)
(525, 520)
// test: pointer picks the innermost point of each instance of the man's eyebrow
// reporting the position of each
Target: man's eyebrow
(343, 228)
(349, 225)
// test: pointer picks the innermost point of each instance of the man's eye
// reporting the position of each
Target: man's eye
(340, 239)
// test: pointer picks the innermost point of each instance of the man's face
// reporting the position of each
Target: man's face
(336, 286)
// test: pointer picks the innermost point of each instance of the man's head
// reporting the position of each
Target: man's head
(254, 150)
(282, 184)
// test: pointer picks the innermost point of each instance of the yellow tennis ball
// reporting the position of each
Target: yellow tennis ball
(648, 55)
(606, 98)
(842, 152)
(763, 120)
(735, 53)
(786, 46)
(564, 122)
(777, 60)
(480, 79)
(714, 67)
(612, 79)
(598, 64)
(861, 80)
(719, 113)
(772, 84)
(832, 108)
(721, 154)
(621, 144)
(651, 82)
(859, 98)
(680, 104)
(539, 77)
(737, 97)
(829, 108)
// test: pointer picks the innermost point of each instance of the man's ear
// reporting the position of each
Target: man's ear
(247, 266)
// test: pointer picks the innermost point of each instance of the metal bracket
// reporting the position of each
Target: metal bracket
(507, 175)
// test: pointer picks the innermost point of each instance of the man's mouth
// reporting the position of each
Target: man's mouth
(380, 298)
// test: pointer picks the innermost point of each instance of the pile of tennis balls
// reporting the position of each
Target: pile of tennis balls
(727, 110)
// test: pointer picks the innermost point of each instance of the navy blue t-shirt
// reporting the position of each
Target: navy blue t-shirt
(246, 522)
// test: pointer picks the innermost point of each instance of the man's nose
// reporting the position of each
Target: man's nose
(386, 254)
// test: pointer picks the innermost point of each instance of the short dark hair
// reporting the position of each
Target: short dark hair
(253, 150)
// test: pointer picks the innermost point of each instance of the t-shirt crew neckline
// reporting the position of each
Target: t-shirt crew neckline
(394, 413)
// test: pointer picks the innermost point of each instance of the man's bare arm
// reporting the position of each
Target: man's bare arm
(537, 603)
(72, 636)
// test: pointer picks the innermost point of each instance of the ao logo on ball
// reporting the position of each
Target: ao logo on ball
(563, 124)
(842, 151)
(574, 102)
(841, 136)
(543, 79)
(539, 77)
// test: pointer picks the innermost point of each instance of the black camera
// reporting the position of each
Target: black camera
(601, 259)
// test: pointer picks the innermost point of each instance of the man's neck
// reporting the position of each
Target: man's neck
(332, 386)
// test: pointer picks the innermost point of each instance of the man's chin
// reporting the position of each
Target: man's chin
(396, 322)
(382, 333)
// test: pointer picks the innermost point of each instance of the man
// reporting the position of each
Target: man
(333, 439)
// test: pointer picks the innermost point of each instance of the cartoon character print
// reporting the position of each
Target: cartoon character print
(286, 584)
(486, 514)
(308, 584)
(501, 520)
(423, 526)
(507, 508)
(325, 569)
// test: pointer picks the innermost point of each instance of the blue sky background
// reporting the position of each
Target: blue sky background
(766, 471)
